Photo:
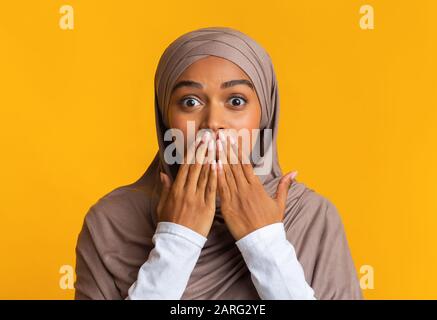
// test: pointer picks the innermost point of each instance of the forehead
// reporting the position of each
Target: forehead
(213, 68)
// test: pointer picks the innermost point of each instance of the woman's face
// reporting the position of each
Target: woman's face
(216, 94)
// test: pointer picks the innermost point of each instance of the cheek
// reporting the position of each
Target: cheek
(249, 120)
(178, 123)
(179, 120)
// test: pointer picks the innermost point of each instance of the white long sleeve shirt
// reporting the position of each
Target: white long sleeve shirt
(269, 256)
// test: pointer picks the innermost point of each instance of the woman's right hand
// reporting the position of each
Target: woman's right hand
(190, 200)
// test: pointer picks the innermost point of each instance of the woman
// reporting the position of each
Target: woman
(213, 228)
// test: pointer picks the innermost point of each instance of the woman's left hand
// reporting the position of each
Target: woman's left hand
(245, 205)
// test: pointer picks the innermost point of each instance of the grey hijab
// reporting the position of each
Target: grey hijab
(116, 235)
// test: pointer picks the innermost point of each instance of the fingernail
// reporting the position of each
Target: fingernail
(220, 164)
(206, 136)
(211, 145)
(213, 164)
(198, 139)
(161, 176)
(232, 140)
(293, 175)
(221, 136)
(220, 146)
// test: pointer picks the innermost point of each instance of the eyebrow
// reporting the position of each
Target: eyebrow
(224, 85)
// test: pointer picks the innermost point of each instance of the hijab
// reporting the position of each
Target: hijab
(116, 235)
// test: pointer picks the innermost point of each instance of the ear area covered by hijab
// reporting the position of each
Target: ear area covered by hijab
(117, 231)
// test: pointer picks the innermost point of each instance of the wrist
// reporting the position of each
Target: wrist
(181, 231)
(243, 233)
(266, 235)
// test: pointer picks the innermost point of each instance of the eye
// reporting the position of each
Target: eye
(189, 102)
(237, 101)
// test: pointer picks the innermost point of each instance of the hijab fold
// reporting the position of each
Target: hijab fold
(116, 236)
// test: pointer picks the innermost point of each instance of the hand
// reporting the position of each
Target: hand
(245, 205)
(190, 200)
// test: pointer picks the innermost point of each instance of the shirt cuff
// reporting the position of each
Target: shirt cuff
(271, 233)
(273, 264)
(170, 263)
(181, 231)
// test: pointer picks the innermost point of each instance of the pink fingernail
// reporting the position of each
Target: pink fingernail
(232, 140)
(213, 164)
(220, 146)
(221, 136)
(198, 139)
(220, 164)
(211, 145)
(293, 175)
(206, 136)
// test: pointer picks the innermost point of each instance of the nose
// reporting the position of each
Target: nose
(214, 118)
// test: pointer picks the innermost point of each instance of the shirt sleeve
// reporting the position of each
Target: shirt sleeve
(170, 263)
(272, 262)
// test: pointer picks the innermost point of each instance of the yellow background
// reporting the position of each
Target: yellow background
(358, 121)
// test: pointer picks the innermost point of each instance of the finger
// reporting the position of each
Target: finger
(231, 156)
(222, 184)
(166, 183)
(184, 167)
(224, 167)
(236, 167)
(211, 188)
(282, 189)
(194, 170)
(246, 164)
(166, 186)
(204, 173)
